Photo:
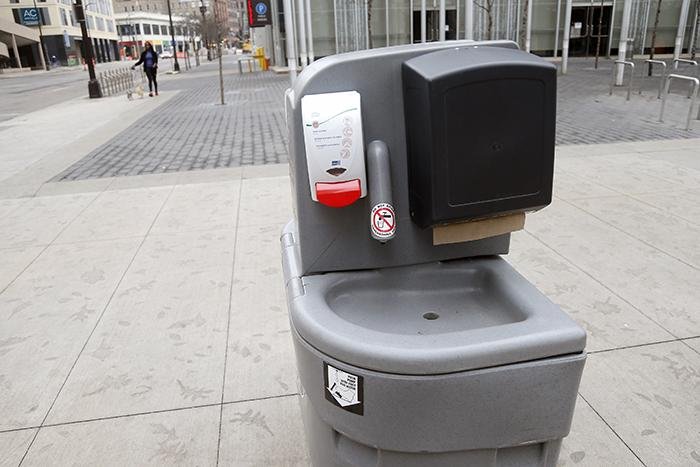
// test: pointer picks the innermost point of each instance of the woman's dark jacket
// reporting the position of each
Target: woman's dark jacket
(143, 59)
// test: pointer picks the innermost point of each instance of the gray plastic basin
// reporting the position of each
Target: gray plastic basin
(432, 318)
(396, 303)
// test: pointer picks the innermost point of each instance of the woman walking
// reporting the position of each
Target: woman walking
(149, 58)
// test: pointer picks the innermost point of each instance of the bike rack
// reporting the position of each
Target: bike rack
(662, 78)
(614, 72)
(694, 92)
(677, 61)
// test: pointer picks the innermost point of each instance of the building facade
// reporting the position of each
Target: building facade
(135, 28)
(334, 26)
(62, 38)
(224, 12)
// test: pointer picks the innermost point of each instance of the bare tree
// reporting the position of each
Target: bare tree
(652, 46)
(192, 22)
(522, 37)
(487, 6)
(694, 45)
(369, 23)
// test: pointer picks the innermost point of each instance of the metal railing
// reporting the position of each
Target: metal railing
(695, 82)
(116, 81)
(614, 73)
(662, 78)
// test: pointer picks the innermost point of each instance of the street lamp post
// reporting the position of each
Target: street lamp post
(42, 50)
(203, 10)
(176, 65)
(94, 89)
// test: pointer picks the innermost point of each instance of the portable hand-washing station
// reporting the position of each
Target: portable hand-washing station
(416, 344)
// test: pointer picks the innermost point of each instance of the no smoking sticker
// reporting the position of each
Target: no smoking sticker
(383, 221)
(343, 389)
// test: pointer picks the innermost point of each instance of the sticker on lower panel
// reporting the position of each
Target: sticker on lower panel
(344, 389)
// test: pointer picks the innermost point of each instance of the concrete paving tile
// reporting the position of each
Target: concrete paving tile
(143, 181)
(182, 437)
(14, 261)
(224, 174)
(592, 443)
(263, 433)
(78, 186)
(10, 204)
(161, 343)
(664, 231)
(662, 145)
(262, 365)
(117, 214)
(694, 343)
(688, 158)
(594, 150)
(621, 175)
(655, 164)
(260, 355)
(13, 445)
(39, 220)
(47, 315)
(684, 204)
(568, 186)
(649, 396)
(609, 321)
(203, 206)
(267, 170)
(266, 201)
(661, 287)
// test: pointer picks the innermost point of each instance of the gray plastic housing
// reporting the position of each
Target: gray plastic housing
(480, 124)
(491, 381)
(339, 239)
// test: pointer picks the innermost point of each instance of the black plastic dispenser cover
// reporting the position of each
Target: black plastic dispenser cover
(480, 125)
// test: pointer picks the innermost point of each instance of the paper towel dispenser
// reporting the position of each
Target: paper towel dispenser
(480, 126)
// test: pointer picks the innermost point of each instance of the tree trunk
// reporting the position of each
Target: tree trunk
(694, 44)
(652, 46)
(369, 23)
(523, 24)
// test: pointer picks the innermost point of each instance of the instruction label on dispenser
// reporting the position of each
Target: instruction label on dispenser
(343, 389)
(333, 139)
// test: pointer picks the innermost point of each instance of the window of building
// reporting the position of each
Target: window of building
(156, 29)
(91, 22)
(110, 25)
(64, 17)
(14, 1)
(147, 29)
(137, 28)
(100, 24)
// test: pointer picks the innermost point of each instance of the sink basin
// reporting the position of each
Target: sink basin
(431, 318)
(428, 300)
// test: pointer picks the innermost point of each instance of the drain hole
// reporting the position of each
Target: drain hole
(431, 316)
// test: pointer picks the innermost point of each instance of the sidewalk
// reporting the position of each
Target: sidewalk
(142, 304)
(144, 321)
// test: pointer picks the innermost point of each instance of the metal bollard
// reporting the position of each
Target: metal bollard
(662, 78)
(614, 70)
(693, 92)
